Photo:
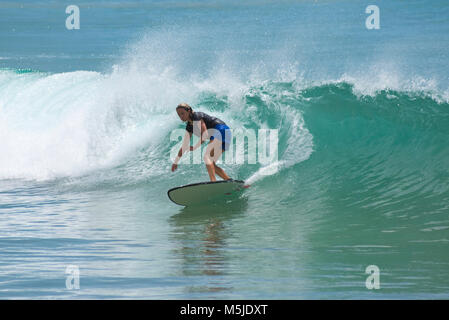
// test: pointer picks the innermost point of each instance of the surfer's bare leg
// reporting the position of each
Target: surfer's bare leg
(211, 171)
(215, 156)
(213, 151)
(221, 172)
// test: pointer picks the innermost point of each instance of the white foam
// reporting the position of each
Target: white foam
(299, 148)
(389, 77)
(69, 124)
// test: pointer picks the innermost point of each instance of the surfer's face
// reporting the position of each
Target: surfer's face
(183, 114)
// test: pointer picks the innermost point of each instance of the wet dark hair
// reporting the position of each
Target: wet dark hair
(185, 106)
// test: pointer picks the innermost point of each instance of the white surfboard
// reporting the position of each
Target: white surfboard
(196, 193)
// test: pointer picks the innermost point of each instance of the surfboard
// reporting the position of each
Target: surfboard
(201, 192)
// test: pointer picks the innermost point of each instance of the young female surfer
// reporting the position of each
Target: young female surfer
(204, 126)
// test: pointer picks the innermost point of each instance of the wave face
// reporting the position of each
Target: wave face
(385, 152)
(73, 124)
(382, 146)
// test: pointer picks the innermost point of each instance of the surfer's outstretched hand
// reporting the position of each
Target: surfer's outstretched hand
(174, 166)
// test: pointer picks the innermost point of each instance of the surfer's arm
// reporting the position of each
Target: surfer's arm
(184, 149)
(203, 137)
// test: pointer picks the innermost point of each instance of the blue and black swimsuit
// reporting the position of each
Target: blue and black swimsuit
(213, 123)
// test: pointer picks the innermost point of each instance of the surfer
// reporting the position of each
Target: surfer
(199, 123)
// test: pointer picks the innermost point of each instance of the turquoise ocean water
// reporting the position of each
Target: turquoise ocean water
(363, 158)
